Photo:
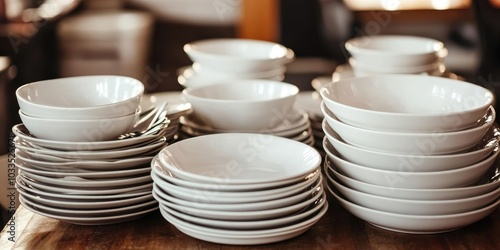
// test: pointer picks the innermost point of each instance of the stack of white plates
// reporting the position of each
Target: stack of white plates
(310, 102)
(295, 126)
(89, 183)
(239, 188)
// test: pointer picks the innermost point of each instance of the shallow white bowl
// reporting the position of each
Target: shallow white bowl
(210, 73)
(422, 143)
(396, 50)
(238, 55)
(415, 224)
(431, 69)
(81, 97)
(89, 130)
(244, 158)
(407, 179)
(407, 103)
(243, 104)
(412, 162)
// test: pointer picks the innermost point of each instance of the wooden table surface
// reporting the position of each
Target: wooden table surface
(336, 230)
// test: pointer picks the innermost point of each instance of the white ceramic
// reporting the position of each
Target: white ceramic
(453, 178)
(267, 188)
(412, 162)
(243, 104)
(194, 81)
(175, 104)
(309, 101)
(416, 207)
(415, 224)
(396, 50)
(102, 129)
(212, 74)
(360, 69)
(81, 97)
(239, 158)
(238, 55)
(485, 185)
(407, 103)
(422, 143)
(238, 215)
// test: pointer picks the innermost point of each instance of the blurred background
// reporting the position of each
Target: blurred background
(43, 39)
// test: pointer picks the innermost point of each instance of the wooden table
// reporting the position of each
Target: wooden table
(336, 230)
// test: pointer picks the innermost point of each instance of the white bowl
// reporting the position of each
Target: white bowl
(486, 184)
(407, 179)
(430, 143)
(412, 162)
(415, 224)
(238, 55)
(407, 103)
(396, 50)
(416, 207)
(90, 130)
(243, 104)
(244, 158)
(365, 69)
(210, 73)
(81, 97)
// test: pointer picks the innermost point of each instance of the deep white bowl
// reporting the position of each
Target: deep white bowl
(423, 143)
(412, 162)
(239, 158)
(243, 105)
(238, 55)
(81, 97)
(408, 179)
(486, 184)
(89, 130)
(395, 50)
(407, 103)
(415, 224)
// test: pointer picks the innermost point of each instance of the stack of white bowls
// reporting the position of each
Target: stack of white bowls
(395, 54)
(239, 188)
(72, 166)
(249, 106)
(407, 153)
(232, 59)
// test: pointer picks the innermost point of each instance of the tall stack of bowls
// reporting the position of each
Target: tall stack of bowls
(395, 54)
(232, 58)
(240, 188)
(411, 153)
(72, 166)
(249, 106)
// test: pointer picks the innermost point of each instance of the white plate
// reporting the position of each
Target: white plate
(23, 133)
(240, 202)
(243, 237)
(268, 188)
(84, 204)
(415, 224)
(238, 215)
(310, 102)
(239, 158)
(175, 104)
(92, 155)
(101, 220)
(69, 165)
(250, 225)
(74, 182)
(87, 191)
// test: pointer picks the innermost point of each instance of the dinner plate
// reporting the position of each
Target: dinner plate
(269, 187)
(74, 182)
(22, 132)
(414, 224)
(250, 225)
(238, 215)
(98, 220)
(87, 191)
(215, 200)
(84, 204)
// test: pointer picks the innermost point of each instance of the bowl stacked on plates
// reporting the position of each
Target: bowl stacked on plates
(392, 54)
(250, 106)
(72, 164)
(222, 59)
(239, 188)
(407, 153)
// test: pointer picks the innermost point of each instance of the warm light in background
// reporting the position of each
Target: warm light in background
(407, 4)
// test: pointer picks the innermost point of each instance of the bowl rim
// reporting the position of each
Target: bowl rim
(352, 47)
